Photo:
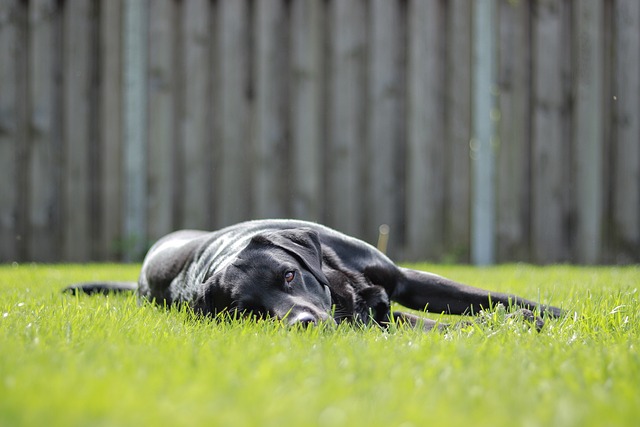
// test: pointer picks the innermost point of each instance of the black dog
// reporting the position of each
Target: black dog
(300, 272)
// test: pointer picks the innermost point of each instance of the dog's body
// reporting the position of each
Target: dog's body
(300, 272)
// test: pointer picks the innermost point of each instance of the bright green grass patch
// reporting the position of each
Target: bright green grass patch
(77, 361)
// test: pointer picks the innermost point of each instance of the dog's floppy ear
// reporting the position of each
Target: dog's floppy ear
(304, 244)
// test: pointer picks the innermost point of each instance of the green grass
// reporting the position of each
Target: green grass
(77, 361)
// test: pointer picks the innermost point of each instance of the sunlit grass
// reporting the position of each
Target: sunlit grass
(99, 360)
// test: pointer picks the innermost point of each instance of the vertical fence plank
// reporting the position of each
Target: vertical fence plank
(458, 130)
(42, 191)
(483, 216)
(383, 118)
(514, 130)
(214, 149)
(425, 144)
(305, 98)
(23, 129)
(626, 167)
(162, 112)
(77, 110)
(235, 176)
(195, 123)
(8, 129)
(344, 201)
(548, 161)
(111, 128)
(588, 136)
(134, 127)
(270, 188)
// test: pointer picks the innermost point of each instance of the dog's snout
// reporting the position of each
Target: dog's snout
(303, 319)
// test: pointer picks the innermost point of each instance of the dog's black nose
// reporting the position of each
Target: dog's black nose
(303, 319)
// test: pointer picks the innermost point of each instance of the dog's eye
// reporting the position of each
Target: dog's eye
(289, 276)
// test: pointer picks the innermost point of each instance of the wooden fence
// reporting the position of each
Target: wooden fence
(510, 126)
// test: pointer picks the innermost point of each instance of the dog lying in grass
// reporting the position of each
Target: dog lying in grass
(301, 273)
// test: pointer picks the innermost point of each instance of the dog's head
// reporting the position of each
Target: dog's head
(277, 274)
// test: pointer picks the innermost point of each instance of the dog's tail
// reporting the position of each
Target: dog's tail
(104, 288)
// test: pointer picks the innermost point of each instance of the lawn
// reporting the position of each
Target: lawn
(79, 361)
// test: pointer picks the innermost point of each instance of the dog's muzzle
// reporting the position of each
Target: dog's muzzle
(306, 318)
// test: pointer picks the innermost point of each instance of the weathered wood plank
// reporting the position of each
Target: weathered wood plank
(9, 33)
(626, 159)
(483, 146)
(306, 144)
(195, 123)
(235, 177)
(588, 130)
(111, 146)
(272, 165)
(215, 147)
(383, 118)
(162, 118)
(347, 96)
(42, 162)
(135, 116)
(458, 130)
(512, 232)
(425, 144)
(548, 160)
(23, 110)
(77, 109)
